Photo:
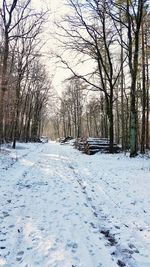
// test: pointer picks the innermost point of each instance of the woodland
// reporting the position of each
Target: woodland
(109, 98)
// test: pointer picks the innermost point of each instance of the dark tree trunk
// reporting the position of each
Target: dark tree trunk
(133, 65)
(111, 127)
(143, 93)
(147, 108)
(3, 84)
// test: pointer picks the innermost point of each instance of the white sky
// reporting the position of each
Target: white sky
(57, 9)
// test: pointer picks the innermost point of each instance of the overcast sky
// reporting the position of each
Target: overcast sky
(57, 9)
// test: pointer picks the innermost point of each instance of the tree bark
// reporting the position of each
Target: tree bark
(143, 92)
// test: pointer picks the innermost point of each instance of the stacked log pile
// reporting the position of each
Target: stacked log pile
(91, 146)
(80, 143)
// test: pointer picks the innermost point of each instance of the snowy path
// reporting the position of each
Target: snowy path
(59, 210)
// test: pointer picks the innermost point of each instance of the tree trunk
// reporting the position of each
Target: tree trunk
(144, 93)
(111, 129)
(147, 110)
(15, 134)
(133, 56)
(133, 124)
(1, 116)
(3, 85)
(111, 120)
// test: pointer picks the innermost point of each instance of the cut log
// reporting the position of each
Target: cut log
(91, 145)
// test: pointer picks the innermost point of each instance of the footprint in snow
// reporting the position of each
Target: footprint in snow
(22, 206)
(91, 252)
(24, 174)
(5, 214)
(19, 259)
(93, 225)
(3, 240)
(4, 233)
(89, 199)
(121, 263)
(2, 247)
(95, 214)
(29, 248)
(73, 246)
(11, 226)
(20, 253)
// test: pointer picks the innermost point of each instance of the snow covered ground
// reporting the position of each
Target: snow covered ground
(61, 208)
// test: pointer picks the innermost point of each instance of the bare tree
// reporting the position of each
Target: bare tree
(133, 12)
(91, 34)
(72, 108)
(21, 28)
(7, 12)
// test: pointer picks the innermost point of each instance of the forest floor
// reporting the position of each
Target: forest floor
(61, 208)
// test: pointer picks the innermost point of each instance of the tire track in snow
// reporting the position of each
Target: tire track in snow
(75, 180)
(121, 255)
